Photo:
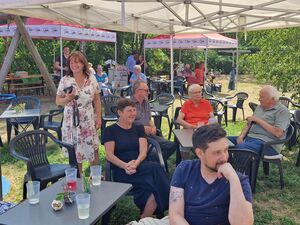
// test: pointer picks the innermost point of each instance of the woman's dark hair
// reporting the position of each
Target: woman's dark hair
(81, 58)
(197, 65)
(207, 134)
(123, 103)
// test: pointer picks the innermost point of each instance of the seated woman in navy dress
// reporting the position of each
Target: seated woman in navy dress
(126, 148)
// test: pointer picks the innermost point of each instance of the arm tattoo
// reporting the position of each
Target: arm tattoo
(175, 194)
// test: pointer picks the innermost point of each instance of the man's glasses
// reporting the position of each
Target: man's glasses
(147, 90)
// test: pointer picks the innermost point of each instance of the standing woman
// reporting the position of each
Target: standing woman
(198, 77)
(80, 124)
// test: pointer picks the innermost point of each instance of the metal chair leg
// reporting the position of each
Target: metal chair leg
(281, 175)
(298, 159)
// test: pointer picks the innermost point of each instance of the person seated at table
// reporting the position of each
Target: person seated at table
(198, 76)
(137, 75)
(194, 113)
(207, 190)
(126, 148)
(102, 79)
(269, 122)
(187, 71)
(140, 98)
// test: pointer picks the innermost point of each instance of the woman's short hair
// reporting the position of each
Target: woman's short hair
(81, 58)
(123, 103)
(193, 87)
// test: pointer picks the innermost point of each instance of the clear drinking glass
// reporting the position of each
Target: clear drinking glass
(33, 192)
(96, 174)
(83, 205)
(71, 177)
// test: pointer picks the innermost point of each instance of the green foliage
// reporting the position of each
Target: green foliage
(277, 60)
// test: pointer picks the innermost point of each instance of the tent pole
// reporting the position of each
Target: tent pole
(61, 57)
(179, 60)
(144, 60)
(171, 64)
(237, 60)
(205, 68)
(116, 52)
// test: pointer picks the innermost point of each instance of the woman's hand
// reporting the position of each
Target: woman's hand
(130, 167)
(70, 96)
(98, 123)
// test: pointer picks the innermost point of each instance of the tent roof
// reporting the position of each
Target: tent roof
(164, 16)
(46, 29)
(187, 41)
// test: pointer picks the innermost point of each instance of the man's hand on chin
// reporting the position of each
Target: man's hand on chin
(227, 171)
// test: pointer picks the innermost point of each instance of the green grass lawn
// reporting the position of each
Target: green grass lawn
(272, 206)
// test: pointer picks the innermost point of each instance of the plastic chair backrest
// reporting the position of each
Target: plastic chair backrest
(108, 102)
(241, 97)
(165, 99)
(241, 159)
(30, 102)
(252, 106)
(217, 105)
(285, 101)
(297, 117)
(30, 147)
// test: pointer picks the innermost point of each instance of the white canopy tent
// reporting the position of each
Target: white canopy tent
(190, 41)
(164, 16)
(45, 29)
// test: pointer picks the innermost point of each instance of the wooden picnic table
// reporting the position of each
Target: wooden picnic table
(15, 83)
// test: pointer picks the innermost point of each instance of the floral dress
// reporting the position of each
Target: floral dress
(84, 136)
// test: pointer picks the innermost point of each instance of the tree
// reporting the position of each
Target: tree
(278, 58)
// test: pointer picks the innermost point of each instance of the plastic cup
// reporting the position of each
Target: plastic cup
(83, 205)
(33, 192)
(212, 120)
(71, 177)
(96, 175)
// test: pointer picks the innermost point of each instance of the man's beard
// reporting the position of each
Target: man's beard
(216, 167)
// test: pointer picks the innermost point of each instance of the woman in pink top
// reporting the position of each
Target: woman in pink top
(198, 76)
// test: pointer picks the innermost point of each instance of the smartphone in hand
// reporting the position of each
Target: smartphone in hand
(68, 90)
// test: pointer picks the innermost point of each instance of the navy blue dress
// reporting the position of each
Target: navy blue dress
(150, 177)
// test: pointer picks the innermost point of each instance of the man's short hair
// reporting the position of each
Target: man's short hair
(272, 91)
(138, 67)
(136, 85)
(207, 134)
(193, 87)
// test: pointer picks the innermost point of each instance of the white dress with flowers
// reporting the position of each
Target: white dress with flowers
(83, 137)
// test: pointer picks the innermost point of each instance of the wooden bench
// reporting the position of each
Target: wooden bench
(16, 83)
(28, 86)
